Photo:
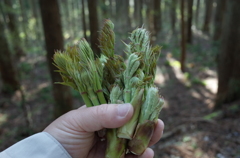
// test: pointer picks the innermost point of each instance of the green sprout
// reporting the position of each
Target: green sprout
(109, 79)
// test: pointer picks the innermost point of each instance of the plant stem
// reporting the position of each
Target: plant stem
(127, 130)
(93, 97)
(127, 95)
(142, 137)
(86, 100)
(115, 146)
(101, 97)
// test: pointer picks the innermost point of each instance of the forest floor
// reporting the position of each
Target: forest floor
(189, 98)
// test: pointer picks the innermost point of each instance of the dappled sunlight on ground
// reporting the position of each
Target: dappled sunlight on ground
(211, 84)
(189, 97)
(3, 118)
(199, 34)
(195, 94)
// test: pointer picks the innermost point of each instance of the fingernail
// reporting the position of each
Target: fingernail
(123, 110)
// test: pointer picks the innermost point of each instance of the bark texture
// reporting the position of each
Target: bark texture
(84, 20)
(157, 16)
(122, 14)
(183, 39)
(208, 15)
(197, 12)
(94, 26)
(8, 75)
(229, 57)
(54, 41)
(189, 21)
(14, 32)
(173, 7)
(138, 6)
(218, 19)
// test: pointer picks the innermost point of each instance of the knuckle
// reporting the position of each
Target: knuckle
(101, 111)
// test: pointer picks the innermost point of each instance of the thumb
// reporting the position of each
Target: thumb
(90, 119)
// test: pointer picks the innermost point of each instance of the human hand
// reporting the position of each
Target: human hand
(76, 129)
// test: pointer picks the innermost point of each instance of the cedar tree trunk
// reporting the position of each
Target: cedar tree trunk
(189, 22)
(54, 41)
(157, 20)
(93, 22)
(208, 14)
(8, 73)
(229, 57)
(218, 20)
(183, 40)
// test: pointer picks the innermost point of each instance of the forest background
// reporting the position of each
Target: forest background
(198, 72)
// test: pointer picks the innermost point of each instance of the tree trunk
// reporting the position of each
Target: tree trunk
(189, 22)
(66, 10)
(138, 5)
(208, 15)
(173, 7)
(14, 32)
(122, 12)
(183, 41)
(93, 22)
(149, 15)
(7, 69)
(218, 20)
(24, 20)
(84, 20)
(111, 14)
(229, 57)
(104, 9)
(54, 41)
(157, 19)
(72, 5)
(35, 14)
(197, 13)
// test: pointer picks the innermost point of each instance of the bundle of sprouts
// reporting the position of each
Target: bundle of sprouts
(108, 79)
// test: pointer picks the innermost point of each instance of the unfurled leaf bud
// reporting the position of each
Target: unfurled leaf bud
(107, 39)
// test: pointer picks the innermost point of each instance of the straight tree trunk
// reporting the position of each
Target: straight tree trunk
(54, 41)
(84, 20)
(197, 13)
(24, 20)
(65, 10)
(111, 14)
(8, 73)
(35, 14)
(104, 9)
(122, 12)
(183, 40)
(208, 15)
(136, 10)
(218, 20)
(173, 7)
(94, 28)
(229, 57)
(157, 19)
(138, 6)
(149, 15)
(189, 21)
(72, 5)
(14, 32)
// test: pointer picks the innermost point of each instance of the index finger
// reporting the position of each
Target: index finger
(158, 131)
